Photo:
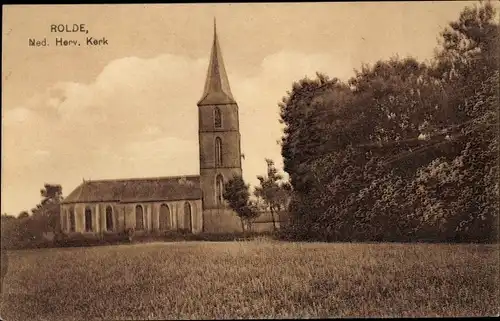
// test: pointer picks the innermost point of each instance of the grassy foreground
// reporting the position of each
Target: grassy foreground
(258, 279)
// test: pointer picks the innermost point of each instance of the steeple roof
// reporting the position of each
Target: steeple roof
(217, 90)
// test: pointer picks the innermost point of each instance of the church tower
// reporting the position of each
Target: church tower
(219, 142)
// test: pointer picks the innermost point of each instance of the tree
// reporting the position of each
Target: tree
(306, 112)
(46, 215)
(23, 214)
(357, 165)
(469, 42)
(237, 195)
(26, 229)
(275, 193)
(16, 231)
(467, 64)
(7, 217)
(51, 193)
(465, 189)
(468, 56)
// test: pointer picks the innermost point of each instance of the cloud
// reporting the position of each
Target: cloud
(139, 118)
(17, 115)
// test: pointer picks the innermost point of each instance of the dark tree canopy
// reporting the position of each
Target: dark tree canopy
(404, 150)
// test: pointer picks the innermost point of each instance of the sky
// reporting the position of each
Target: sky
(128, 109)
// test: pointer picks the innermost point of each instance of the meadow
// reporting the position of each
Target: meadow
(255, 279)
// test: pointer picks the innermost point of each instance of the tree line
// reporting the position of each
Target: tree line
(402, 151)
(272, 195)
(28, 229)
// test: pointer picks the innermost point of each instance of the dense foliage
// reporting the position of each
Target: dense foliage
(273, 191)
(237, 196)
(403, 151)
(28, 230)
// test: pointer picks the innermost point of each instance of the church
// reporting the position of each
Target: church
(191, 204)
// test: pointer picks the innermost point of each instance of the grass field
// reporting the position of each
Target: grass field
(258, 279)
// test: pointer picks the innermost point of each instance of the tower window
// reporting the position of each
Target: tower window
(217, 118)
(219, 189)
(218, 151)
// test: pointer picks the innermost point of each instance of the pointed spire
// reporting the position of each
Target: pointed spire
(217, 90)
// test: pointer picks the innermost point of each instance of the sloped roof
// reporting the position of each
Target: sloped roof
(137, 190)
(217, 89)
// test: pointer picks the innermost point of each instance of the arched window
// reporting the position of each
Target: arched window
(71, 219)
(139, 218)
(217, 118)
(88, 219)
(164, 217)
(64, 220)
(218, 151)
(187, 216)
(109, 218)
(219, 189)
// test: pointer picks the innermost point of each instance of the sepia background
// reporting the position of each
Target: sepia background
(391, 204)
(128, 109)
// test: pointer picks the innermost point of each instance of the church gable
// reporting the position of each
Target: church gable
(137, 190)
